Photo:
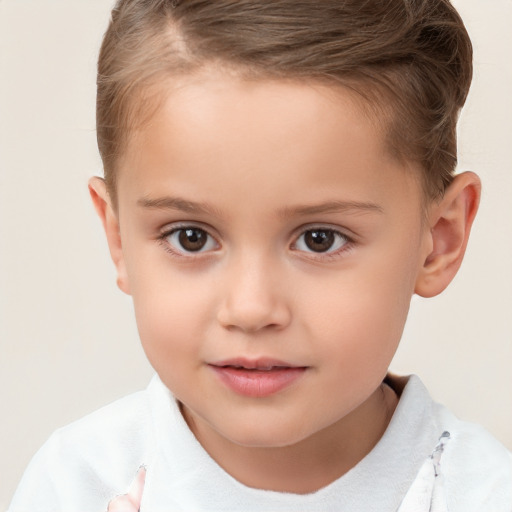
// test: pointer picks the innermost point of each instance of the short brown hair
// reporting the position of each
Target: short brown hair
(415, 56)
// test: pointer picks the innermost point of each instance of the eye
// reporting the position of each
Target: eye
(321, 240)
(191, 239)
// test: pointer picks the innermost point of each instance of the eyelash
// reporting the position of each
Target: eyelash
(164, 240)
(348, 242)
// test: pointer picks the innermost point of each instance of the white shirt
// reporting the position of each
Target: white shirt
(84, 465)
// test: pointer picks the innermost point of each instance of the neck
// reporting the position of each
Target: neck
(314, 462)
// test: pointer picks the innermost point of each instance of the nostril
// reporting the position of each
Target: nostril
(246, 318)
(255, 309)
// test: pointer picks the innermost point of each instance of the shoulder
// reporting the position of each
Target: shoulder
(84, 464)
(477, 468)
(474, 469)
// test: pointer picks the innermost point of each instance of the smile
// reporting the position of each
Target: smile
(257, 378)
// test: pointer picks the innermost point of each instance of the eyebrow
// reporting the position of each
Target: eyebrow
(194, 207)
(332, 207)
(177, 203)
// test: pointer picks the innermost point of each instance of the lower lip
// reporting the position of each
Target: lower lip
(258, 383)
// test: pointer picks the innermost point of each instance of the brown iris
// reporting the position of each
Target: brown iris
(319, 240)
(192, 239)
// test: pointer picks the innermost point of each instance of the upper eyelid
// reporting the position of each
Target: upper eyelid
(345, 232)
(171, 227)
(348, 239)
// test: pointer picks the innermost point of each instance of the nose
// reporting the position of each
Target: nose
(254, 298)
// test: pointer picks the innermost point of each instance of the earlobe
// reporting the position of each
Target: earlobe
(450, 223)
(103, 206)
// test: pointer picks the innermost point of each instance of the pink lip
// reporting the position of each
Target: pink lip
(257, 378)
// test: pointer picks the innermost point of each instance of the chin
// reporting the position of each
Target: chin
(265, 436)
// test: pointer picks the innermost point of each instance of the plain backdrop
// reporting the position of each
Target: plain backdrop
(68, 340)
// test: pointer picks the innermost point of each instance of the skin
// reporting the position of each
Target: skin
(268, 161)
(130, 502)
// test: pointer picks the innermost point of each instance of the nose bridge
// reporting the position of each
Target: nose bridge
(254, 295)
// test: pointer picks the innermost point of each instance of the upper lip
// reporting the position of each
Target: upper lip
(261, 363)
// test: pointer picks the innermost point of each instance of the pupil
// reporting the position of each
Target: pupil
(320, 240)
(192, 239)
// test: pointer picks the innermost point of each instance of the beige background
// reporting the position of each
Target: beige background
(68, 342)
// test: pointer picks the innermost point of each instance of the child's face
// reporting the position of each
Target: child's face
(265, 224)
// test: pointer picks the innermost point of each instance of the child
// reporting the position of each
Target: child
(278, 184)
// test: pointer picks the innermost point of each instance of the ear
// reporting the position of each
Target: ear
(450, 222)
(109, 218)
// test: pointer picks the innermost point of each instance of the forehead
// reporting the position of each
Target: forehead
(212, 130)
(229, 93)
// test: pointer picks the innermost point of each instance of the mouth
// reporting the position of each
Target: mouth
(257, 378)
(262, 363)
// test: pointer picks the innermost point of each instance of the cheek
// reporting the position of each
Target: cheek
(360, 314)
(172, 315)
(363, 330)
